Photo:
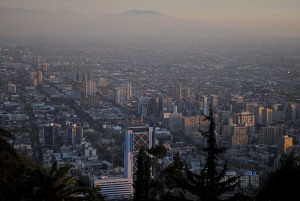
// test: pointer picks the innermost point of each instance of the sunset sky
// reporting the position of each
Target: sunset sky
(271, 15)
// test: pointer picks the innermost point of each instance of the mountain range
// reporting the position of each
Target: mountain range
(131, 25)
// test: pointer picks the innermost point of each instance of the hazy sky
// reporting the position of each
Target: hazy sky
(267, 14)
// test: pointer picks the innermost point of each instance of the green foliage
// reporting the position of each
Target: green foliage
(5, 147)
(9, 163)
(158, 152)
(284, 183)
(208, 185)
(51, 184)
(22, 179)
(143, 183)
(172, 176)
(174, 173)
(241, 197)
(95, 195)
(170, 196)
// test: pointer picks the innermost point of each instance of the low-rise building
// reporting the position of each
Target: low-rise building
(113, 188)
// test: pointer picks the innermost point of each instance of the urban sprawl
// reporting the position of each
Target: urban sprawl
(93, 107)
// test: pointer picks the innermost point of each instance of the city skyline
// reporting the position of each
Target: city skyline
(88, 85)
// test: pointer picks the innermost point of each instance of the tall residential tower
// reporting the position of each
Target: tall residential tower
(135, 138)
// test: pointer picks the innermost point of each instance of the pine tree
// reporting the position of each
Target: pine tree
(209, 184)
(157, 153)
(143, 183)
(172, 174)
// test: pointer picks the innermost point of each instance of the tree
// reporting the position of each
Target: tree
(5, 147)
(170, 196)
(283, 184)
(95, 195)
(157, 153)
(171, 175)
(209, 184)
(22, 179)
(9, 163)
(51, 184)
(143, 183)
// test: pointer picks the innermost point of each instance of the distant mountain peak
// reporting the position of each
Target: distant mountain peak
(142, 12)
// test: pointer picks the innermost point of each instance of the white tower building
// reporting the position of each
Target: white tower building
(135, 138)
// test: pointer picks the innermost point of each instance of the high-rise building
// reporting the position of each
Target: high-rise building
(91, 98)
(215, 102)
(224, 117)
(227, 130)
(154, 106)
(143, 106)
(177, 91)
(239, 136)
(239, 99)
(174, 108)
(123, 95)
(128, 90)
(165, 104)
(90, 88)
(51, 135)
(46, 66)
(34, 82)
(191, 125)
(32, 75)
(263, 116)
(78, 89)
(34, 62)
(251, 107)
(87, 76)
(205, 105)
(266, 117)
(74, 133)
(119, 95)
(78, 76)
(187, 93)
(258, 115)
(102, 83)
(291, 110)
(135, 138)
(173, 121)
(247, 119)
(270, 135)
(11, 88)
(285, 144)
(191, 107)
(37, 62)
(71, 133)
(275, 113)
(40, 77)
(237, 104)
